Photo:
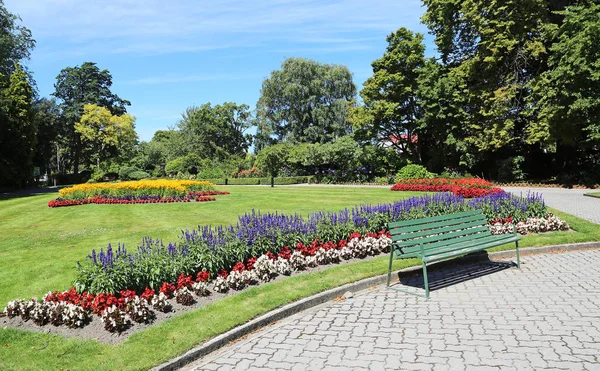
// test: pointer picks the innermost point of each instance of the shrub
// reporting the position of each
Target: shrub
(139, 175)
(413, 171)
(125, 172)
(510, 169)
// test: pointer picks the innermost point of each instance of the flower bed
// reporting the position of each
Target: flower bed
(465, 187)
(202, 196)
(123, 288)
(142, 188)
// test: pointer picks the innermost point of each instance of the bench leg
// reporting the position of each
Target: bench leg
(425, 280)
(518, 256)
(389, 277)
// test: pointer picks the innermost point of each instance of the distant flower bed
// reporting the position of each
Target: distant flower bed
(465, 187)
(123, 287)
(141, 188)
(137, 192)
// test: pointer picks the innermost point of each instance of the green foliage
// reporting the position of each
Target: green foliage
(391, 114)
(16, 42)
(304, 101)
(414, 171)
(511, 169)
(17, 129)
(104, 134)
(126, 171)
(216, 132)
(271, 159)
(76, 87)
(97, 176)
(189, 164)
(138, 175)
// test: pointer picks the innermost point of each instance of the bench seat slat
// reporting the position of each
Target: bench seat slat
(464, 233)
(429, 232)
(408, 223)
(469, 248)
(445, 223)
(445, 244)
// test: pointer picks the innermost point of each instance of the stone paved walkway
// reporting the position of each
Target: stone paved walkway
(571, 201)
(544, 316)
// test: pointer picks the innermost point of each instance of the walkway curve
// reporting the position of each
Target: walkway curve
(571, 201)
(544, 316)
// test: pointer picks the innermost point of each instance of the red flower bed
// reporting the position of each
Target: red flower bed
(203, 196)
(465, 187)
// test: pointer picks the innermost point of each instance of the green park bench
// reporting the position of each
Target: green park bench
(443, 237)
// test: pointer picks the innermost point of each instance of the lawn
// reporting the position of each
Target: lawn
(593, 194)
(39, 246)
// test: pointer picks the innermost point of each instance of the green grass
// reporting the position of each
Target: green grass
(593, 194)
(39, 246)
(29, 229)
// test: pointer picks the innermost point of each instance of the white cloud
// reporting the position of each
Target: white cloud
(157, 26)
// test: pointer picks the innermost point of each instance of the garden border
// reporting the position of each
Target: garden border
(320, 298)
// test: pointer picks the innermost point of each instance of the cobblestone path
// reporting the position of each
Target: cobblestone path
(544, 316)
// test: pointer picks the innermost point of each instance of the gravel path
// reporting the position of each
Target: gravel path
(571, 201)
(544, 316)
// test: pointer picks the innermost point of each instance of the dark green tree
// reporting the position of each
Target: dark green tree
(391, 112)
(16, 42)
(50, 134)
(80, 85)
(216, 132)
(305, 101)
(17, 130)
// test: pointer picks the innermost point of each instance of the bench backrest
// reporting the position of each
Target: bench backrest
(436, 232)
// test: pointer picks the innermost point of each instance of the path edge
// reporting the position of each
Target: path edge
(325, 296)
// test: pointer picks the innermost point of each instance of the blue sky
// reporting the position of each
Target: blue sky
(165, 56)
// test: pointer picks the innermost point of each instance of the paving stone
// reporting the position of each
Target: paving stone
(509, 320)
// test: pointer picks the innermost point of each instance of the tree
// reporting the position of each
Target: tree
(216, 132)
(17, 130)
(271, 159)
(50, 135)
(391, 112)
(566, 97)
(81, 85)
(104, 133)
(305, 101)
(16, 42)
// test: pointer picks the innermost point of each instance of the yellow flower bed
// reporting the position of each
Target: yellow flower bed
(160, 187)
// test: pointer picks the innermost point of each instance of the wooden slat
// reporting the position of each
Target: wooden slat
(464, 233)
(446, 244)
(457, 244)
(471, 248)
(445, 229)
(408, 223)
(445, 223)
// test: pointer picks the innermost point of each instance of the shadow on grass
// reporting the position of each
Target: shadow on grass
(29, 192)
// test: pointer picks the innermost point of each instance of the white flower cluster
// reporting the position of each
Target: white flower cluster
(235, 280)
(298, 261)
(115, 319)
(73, 316)
(265, 268)
(200, 288)
(138, 310)
(161, 303)
(283, 266)
(184, 296)
(220, 285)
(533, 225)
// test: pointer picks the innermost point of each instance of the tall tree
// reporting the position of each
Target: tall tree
(16, 41)
(217, 132)
(105, 134)
(81, 85)
(17, 130)
(391, 112)
(50, 133)
(306, 101)
(566, 97)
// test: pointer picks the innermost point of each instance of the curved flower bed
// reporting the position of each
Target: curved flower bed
(123, 287)
(465, 187)
(202, 196)
(141, 188)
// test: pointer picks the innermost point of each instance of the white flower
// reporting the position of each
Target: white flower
(298, 261)
(283, 267)
(220, 285)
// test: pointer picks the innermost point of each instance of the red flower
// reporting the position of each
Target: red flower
(167, 289)
(184, 281)
(239, 267)
(285, 253)
(128, 294)
(223, 274)
(203, 276)
(250, 263)
(148, 294)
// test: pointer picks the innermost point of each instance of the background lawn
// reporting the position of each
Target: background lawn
(40, 246)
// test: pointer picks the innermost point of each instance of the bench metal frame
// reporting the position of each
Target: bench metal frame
(474, 220)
